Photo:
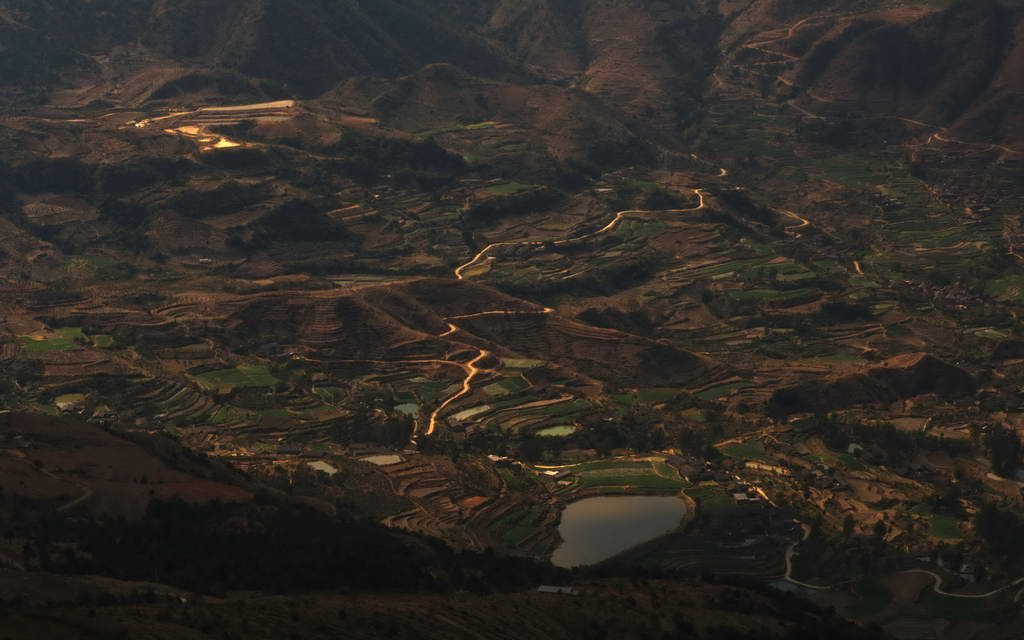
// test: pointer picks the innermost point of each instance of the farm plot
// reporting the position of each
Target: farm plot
(751, 450)
(722, 390)
(239, 377)
(651, 475)
(693, 554)
(64, 340)
(519, 524)
(515, 416)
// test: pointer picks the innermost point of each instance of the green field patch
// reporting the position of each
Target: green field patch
(407, 408)
(431, 392)
(563, 408)
(1009, 288)
(316, 410)
(507, 386)
(41, 344)
(657, 395)
(275, 413)
(560, 431)
(627, 399)
(898, 331)
(945, 527)
(508, 188)
(103, 341)
(646, 396)
(466, 414)
(521, 363)
(642, 476)
(240, 377)
(519, 524)
(851, 462)
(769, 294)
(222, 415)
(722, 390)
(330, 394)
(713, 499)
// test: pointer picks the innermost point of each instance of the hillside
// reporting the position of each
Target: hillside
(363, 304)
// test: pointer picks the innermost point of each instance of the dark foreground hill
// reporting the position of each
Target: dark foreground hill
(209, 568)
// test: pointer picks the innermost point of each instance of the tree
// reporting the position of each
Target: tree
(1004, 450)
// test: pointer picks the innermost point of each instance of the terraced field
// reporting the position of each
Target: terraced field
(639, 476)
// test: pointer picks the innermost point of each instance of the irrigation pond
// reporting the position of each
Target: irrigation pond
(595, 529)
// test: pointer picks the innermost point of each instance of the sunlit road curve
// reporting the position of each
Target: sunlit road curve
(467, 386)
(619, 217)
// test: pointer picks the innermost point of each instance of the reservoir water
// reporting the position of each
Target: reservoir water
(595, 529)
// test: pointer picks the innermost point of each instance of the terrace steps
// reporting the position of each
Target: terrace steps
(179, 310)
(200, 405)
(325, 327)
(161, 389)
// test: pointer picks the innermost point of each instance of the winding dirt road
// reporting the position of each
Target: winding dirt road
(803, 222)
(790, 552)
(86, 491)
(939, 590)
(467, 386)
(619, 217)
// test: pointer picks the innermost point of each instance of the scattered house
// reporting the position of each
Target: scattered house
(502, 461)
(742, 497)
(557, 474)
(570, 591)
(769, 468)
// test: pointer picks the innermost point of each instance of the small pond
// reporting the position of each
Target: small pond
(595, 529)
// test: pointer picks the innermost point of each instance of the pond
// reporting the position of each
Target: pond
(595, 529)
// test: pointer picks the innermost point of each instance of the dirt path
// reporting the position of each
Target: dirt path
(86, 491)
(619, 217)
(467, 386)
(939, 590)
(790, 552)
(802, 222)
